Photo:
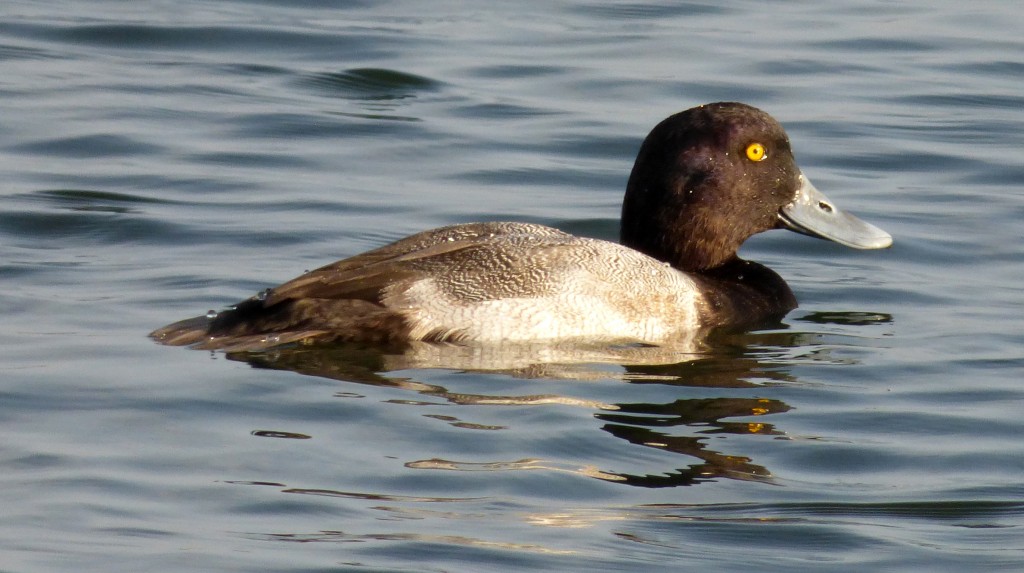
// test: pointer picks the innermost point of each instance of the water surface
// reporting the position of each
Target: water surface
(164, 159)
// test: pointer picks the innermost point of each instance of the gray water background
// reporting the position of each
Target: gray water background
(164, 158)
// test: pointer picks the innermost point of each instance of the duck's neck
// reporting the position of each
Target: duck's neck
(683, 238)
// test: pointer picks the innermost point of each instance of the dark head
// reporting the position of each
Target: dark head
(708, 178)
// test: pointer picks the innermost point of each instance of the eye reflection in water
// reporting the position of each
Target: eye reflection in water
(636, 424)
(682, 426)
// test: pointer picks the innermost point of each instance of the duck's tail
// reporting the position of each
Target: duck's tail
(184, 332)
(252, 326)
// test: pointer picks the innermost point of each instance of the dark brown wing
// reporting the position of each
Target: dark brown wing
(365, 276)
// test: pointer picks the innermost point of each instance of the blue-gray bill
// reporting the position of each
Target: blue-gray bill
(814, 214)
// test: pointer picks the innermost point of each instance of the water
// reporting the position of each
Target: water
(166, 158)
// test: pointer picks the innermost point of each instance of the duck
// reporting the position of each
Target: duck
(704, 181)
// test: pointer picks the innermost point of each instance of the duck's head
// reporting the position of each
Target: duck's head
(708, 178)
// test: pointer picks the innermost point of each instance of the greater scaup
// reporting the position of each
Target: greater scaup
(704, 181)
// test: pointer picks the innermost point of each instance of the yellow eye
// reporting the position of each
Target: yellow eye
(756, 152)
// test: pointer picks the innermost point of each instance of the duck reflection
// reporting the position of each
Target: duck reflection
(682, 426)
(637, 422)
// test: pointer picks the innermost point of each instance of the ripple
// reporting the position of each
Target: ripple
(649, 10)
(379, 496)
(126, 36)
(280, 434)
(92, 200)
(516, 465)
(879, 45)
(523, 71)
(9, 52)
(458, 540)
(372, 84)
(89, 147)
(277, 125)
